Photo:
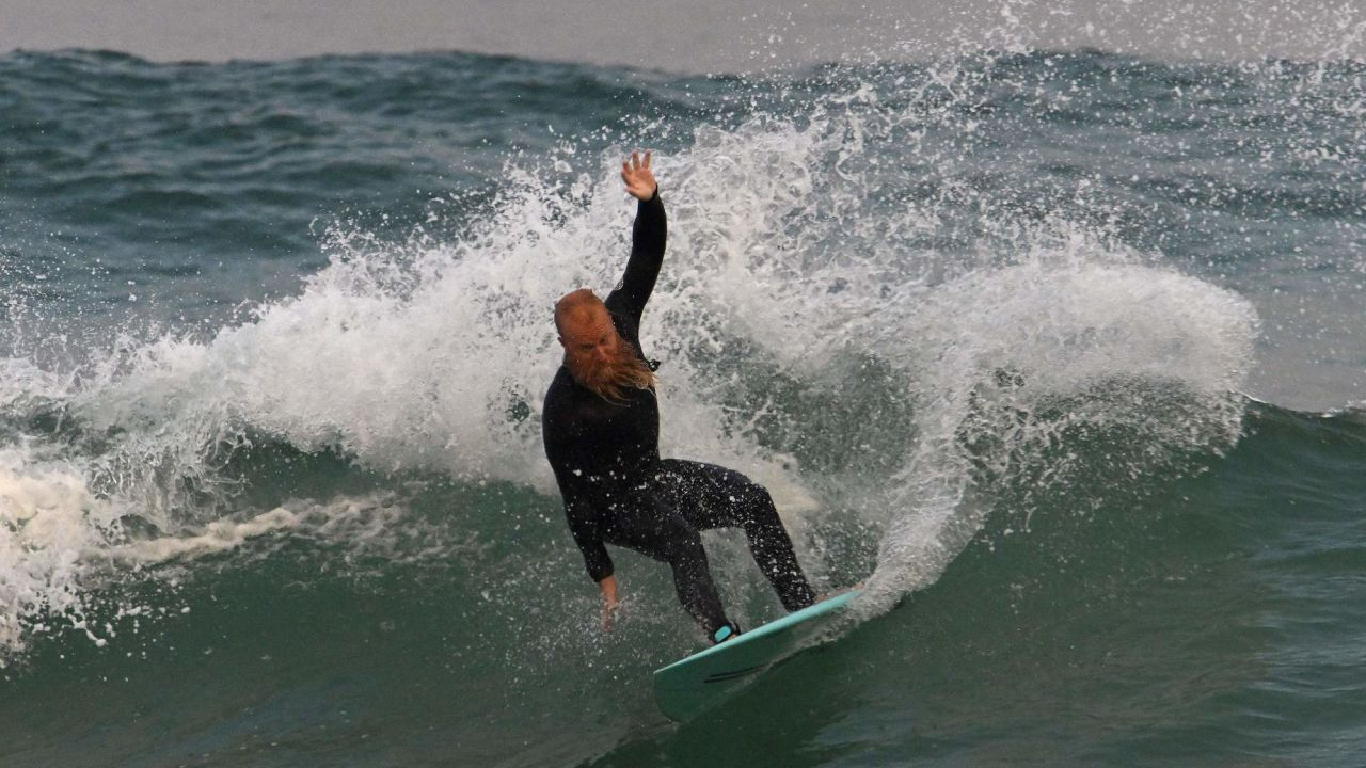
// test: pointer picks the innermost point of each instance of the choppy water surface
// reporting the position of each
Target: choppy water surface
(1060, 353)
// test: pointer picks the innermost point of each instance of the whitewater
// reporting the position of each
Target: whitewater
(1047, 349)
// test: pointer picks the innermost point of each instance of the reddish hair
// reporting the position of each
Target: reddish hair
(625, 369)
(574, 302)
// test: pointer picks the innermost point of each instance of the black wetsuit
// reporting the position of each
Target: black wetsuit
(616, 488)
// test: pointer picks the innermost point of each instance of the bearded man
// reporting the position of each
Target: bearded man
(600, 424)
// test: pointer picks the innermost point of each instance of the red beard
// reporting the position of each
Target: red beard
(625, 369)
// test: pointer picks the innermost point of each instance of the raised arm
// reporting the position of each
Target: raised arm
(648, 237)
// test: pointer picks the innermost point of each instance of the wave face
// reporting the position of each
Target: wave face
(1031, 344)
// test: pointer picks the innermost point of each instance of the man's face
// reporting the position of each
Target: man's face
(590, 341)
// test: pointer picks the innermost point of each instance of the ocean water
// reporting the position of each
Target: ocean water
(1060, 353)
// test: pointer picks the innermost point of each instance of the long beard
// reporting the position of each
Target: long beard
(624, 370)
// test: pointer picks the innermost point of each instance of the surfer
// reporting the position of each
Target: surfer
(600, 424)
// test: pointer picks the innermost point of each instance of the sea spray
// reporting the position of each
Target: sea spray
(49, 520)
(1016, 364)
(800, 256)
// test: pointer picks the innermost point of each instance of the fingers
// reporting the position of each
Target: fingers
(636, 163)
(608, 613)
(635, 172)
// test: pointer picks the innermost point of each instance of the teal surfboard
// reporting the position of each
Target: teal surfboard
(686, 687)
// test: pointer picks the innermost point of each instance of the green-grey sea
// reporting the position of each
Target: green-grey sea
(1059, 354)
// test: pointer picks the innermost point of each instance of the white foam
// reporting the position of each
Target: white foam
(1058, 324)
(217, 536)
(791, 251)
(360, 522)
(48, 517)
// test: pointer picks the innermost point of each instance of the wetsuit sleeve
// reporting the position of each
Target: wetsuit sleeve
(583, 524)
(586, 535)
(648, 236)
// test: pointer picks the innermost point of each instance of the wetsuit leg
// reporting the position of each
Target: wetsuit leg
(653, 528)
(708, 496)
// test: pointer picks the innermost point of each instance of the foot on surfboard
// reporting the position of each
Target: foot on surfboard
(725, 632)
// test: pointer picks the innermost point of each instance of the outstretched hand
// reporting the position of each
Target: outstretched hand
(608, 587)
(640, 182)
(609, 615)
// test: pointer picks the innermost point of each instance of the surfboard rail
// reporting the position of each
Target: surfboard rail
(686, 687)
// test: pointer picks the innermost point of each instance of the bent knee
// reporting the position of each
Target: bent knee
(755, 500)
(682, 545)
